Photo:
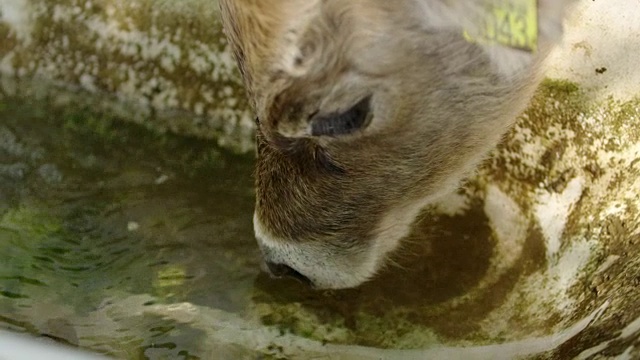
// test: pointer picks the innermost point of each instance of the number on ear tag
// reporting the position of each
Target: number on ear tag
(512, 23)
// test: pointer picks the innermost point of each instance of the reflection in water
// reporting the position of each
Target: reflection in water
(439, 261)
(427, 285)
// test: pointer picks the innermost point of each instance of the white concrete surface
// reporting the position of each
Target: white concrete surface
(602, 34)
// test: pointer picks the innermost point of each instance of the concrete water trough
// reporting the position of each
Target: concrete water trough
(126, 200)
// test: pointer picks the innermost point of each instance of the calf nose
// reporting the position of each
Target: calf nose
(282, 270)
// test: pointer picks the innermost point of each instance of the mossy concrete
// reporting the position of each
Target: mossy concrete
(165, 63)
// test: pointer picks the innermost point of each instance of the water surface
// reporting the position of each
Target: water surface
(93, 213)
(139, 245)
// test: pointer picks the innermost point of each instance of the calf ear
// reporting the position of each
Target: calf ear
(540, 21)
(514, 33)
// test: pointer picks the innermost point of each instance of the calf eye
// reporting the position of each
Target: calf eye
(342, 123)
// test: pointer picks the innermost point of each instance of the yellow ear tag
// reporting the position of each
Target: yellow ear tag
(512, 23)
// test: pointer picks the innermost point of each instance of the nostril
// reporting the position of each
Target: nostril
(282, 270)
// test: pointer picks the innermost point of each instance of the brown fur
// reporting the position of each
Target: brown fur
(440, 103)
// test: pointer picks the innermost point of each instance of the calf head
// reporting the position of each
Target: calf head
(368, 110)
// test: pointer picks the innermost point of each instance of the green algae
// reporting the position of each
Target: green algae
(167, 59)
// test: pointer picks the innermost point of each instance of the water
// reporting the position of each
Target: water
(94, 214)
(139, 245)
